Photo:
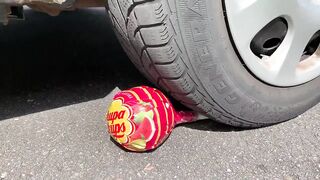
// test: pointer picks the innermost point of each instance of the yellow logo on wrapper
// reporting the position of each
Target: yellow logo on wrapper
(119, 124)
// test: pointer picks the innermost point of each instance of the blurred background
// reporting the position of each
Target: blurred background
(48, 62)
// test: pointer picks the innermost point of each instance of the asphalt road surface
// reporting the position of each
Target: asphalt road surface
(57, 77)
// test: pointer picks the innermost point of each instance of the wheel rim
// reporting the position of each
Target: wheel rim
(287, 66)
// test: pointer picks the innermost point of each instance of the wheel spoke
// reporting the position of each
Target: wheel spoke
(253, 15)
(287, 57)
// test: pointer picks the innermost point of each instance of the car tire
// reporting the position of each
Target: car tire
(185, 48)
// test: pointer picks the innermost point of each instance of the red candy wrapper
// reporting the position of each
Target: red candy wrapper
(141, 119)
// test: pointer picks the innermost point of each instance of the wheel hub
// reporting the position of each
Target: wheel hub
(277, 54)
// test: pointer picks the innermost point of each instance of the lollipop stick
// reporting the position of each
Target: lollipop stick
(188, 116)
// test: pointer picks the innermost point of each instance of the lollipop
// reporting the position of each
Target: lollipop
(141, 119)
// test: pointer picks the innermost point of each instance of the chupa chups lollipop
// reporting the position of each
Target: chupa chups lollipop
(140, 119)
